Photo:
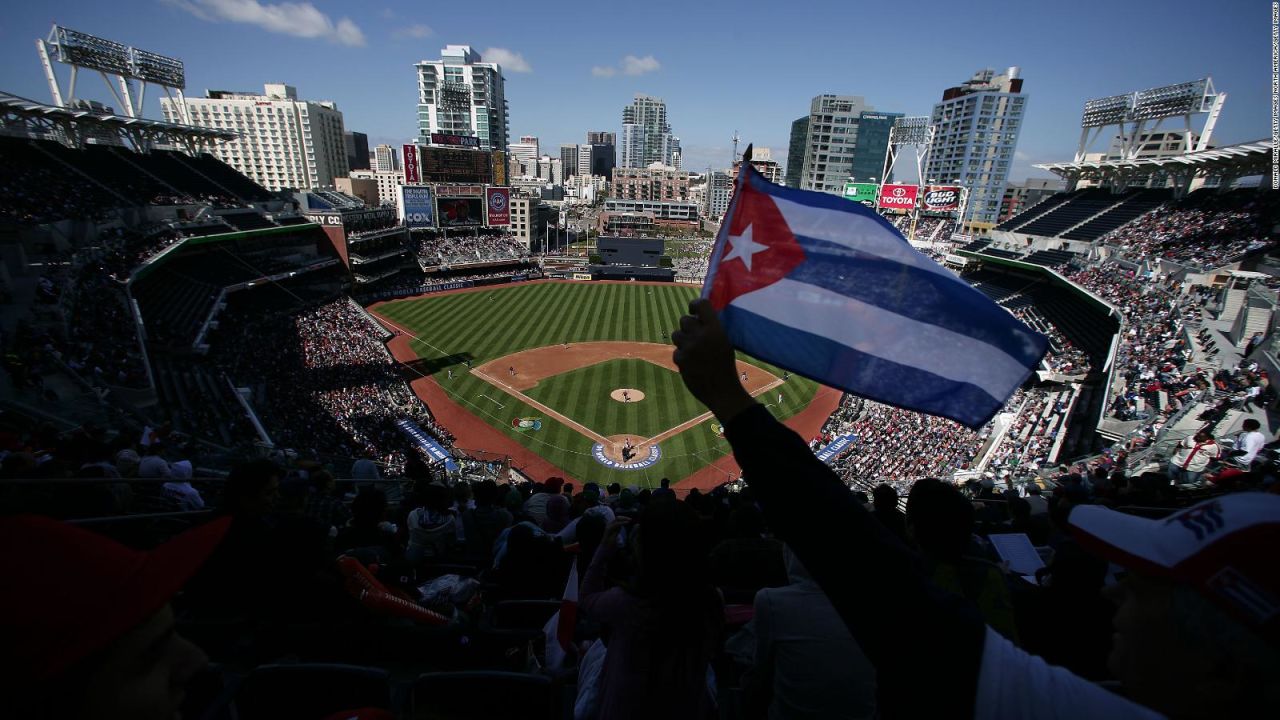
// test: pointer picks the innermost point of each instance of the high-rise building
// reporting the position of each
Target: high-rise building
(569, 160)
(459, 94)
(869, 149)
(604, 152)
(719, 191)
(526, 153)
(585, 161)
(357, 146)
(284, 142)
(829, 144)
(795, 150)
(385, 159)
(550, 169)
(762, 160)
(977, 126)
(646, 135)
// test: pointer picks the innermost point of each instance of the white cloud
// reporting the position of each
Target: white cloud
(632, 65)
(510, 61)
(299, 19)
(413, 31)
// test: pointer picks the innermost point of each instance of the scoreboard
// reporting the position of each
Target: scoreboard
(447, 165)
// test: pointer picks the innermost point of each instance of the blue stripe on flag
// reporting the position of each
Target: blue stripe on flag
(871, 377)
(942, 300)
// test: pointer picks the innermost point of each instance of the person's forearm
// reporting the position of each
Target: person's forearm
(864, 570)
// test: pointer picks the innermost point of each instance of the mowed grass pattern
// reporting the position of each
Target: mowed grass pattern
(666, 402)
(486, 324)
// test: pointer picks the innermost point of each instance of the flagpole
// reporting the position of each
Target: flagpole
(718, 249)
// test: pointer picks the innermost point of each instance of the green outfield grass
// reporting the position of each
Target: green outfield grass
(666, 403)
(488, 324)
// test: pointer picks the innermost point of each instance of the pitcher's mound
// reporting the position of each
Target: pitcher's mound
(627, 395)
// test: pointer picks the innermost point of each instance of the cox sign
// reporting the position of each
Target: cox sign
(898, 197)
(415, 206)
(942, 197)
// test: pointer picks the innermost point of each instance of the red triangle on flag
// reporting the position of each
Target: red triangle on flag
(760, 248)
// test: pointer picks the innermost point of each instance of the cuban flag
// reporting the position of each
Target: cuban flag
(826, 288)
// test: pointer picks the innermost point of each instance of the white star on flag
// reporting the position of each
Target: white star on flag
(742, 247)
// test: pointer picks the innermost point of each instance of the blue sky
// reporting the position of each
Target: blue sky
(748, 66)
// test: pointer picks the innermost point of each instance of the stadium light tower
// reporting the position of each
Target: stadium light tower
(113, 61)
(1136, 115)
(916, 132)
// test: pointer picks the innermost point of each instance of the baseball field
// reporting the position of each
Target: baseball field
(579, 374)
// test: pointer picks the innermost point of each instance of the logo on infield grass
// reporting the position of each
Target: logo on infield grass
(527, 423)
(654, 454)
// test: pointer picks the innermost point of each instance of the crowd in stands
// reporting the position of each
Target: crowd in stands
(685, 607)
(1203, 230)
(329, 384)
(897, 446)
(1041, 416)
(455, 249)
(1153, 352)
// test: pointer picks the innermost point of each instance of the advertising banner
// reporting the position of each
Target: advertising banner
(864, 193)
(459, 212)
(498, 202)
(835, 447)
(459, 140)
(415, 206)
(941, 198)
(411, 174)
(898, 197)
(426, 443)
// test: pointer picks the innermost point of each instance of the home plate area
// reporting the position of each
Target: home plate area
(624, 398)
(627, 452)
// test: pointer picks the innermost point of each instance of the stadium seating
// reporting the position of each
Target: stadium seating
(1051, 258)
(1083, 206)
(1136, 205)
(1035, 211)
(226, 176)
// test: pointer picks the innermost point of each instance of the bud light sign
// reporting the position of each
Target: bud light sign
(940, 198)
(415, 206)
(898, 197)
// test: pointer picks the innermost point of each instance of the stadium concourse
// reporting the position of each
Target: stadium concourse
(181, 344)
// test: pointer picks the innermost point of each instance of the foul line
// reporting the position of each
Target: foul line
(703, 417)
(409, 334)
(525, 398)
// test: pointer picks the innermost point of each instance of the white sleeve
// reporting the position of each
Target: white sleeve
(1015, 684)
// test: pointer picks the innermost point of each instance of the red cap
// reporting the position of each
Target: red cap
(1224, 548)
(66, 592)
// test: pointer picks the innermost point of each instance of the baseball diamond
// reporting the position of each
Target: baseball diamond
(556, 351)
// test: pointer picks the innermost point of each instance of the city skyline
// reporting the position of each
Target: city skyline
(727, 67)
